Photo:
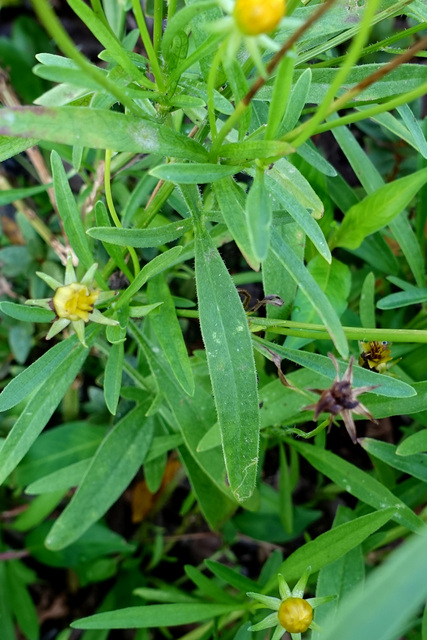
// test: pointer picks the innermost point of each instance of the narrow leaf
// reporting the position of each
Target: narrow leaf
(112, 468)
(153, 616)
(152, 237)
(311, 289)
(231, 365)
(193, 173)
(333, 544)
(40, 408)
(378, 209)
(99, 129)
(230, 199)
(360, 484)
(169, 333)
(259, 216)
(113, 376)
(26, 314)
(69, 212)
(414, 465)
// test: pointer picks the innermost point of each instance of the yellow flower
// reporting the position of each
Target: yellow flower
(292, 612)
(258, 16)
(73, 302)
(295, 615)
(375, 356)
(249, 22)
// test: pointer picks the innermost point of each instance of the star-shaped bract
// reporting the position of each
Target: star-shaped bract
(292, 612)
(341, 399)
(73, 302)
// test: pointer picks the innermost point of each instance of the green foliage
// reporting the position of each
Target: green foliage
(179, 174)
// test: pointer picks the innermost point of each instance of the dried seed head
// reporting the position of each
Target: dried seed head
(341, 399)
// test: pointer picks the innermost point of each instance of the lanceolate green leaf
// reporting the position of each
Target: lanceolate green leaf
(415, 465)
(230, 198)
(99, 129)
(40, 408)
(378, 209)
(169, 333)
(252, 149)
(231, 365)
(113, 376)
(193, 173)
(381, 407)
(9, 196)
(155, 615)
(26, 314)
(403, 299)
(34, 375)
(12, 146)
(153, 237)
(333, 544)
(311, 289)
(386, 385)
(415, 443)
(301, 216)
(259, 216)
(194, 415)
(110, 472)
(360, 484)
(69, 212)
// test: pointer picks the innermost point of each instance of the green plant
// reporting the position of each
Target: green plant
(205, 136)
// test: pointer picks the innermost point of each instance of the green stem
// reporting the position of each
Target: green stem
(171, 9)
(158, 25)
(187, 313)
(353, 55)
(55, 29)
(210, 88)
(318, 331)
(373, 111)
(145, 36)
(111, 208)
(99, 12)
(373, 48)
(226, 128)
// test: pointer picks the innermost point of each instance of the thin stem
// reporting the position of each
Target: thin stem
(211, 87)
(318, 331)
(55, 29)
(111, 208)
(171, 9)
(373, 48)
(158, 25)
(99, 12)
(145, 36)
(375, 110)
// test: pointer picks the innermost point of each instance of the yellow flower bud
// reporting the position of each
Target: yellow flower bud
(254, 17)
(295, 615)
(74, 301)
